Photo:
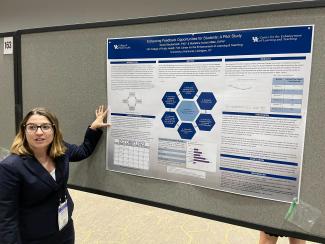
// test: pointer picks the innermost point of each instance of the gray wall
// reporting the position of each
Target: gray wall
(7, 99)
(66, 71)
(17, 14)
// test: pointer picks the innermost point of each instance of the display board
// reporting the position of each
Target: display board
(222, 110)
(66, 72)
(7, 98)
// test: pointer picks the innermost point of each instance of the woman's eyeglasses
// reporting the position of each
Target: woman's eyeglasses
(32, 128)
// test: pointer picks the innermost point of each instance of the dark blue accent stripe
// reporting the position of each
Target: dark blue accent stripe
(260, 159)
(189, 60)
(259, 174)
(208, 60)
(172, 61)
(264, 115)
(133, 115)
(264, 59)
(132, 62)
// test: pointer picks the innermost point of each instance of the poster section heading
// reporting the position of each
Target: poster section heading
(278, 40)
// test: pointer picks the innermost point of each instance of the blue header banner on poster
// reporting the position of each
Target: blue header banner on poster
(279, 40)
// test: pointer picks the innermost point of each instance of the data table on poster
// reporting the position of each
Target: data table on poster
(287, 95)
(130, 153)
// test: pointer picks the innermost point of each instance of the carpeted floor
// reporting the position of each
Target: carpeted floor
(104, 220)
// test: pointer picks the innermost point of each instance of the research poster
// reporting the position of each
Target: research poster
(224, 110)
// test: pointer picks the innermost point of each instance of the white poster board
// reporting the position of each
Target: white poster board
(223, 110)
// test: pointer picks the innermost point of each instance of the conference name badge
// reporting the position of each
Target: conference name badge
(63, 214)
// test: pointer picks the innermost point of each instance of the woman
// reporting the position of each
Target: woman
(35, 205)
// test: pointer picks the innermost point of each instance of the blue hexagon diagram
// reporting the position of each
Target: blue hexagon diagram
(205, 122)
(186, 131)
(187, 110)
(188, 90)
(170, 99)
(169, 119)
(206, 100)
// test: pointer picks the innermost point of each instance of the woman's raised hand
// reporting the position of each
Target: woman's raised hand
(101, 115)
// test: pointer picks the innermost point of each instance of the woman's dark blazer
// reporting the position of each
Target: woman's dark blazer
(29, 196)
